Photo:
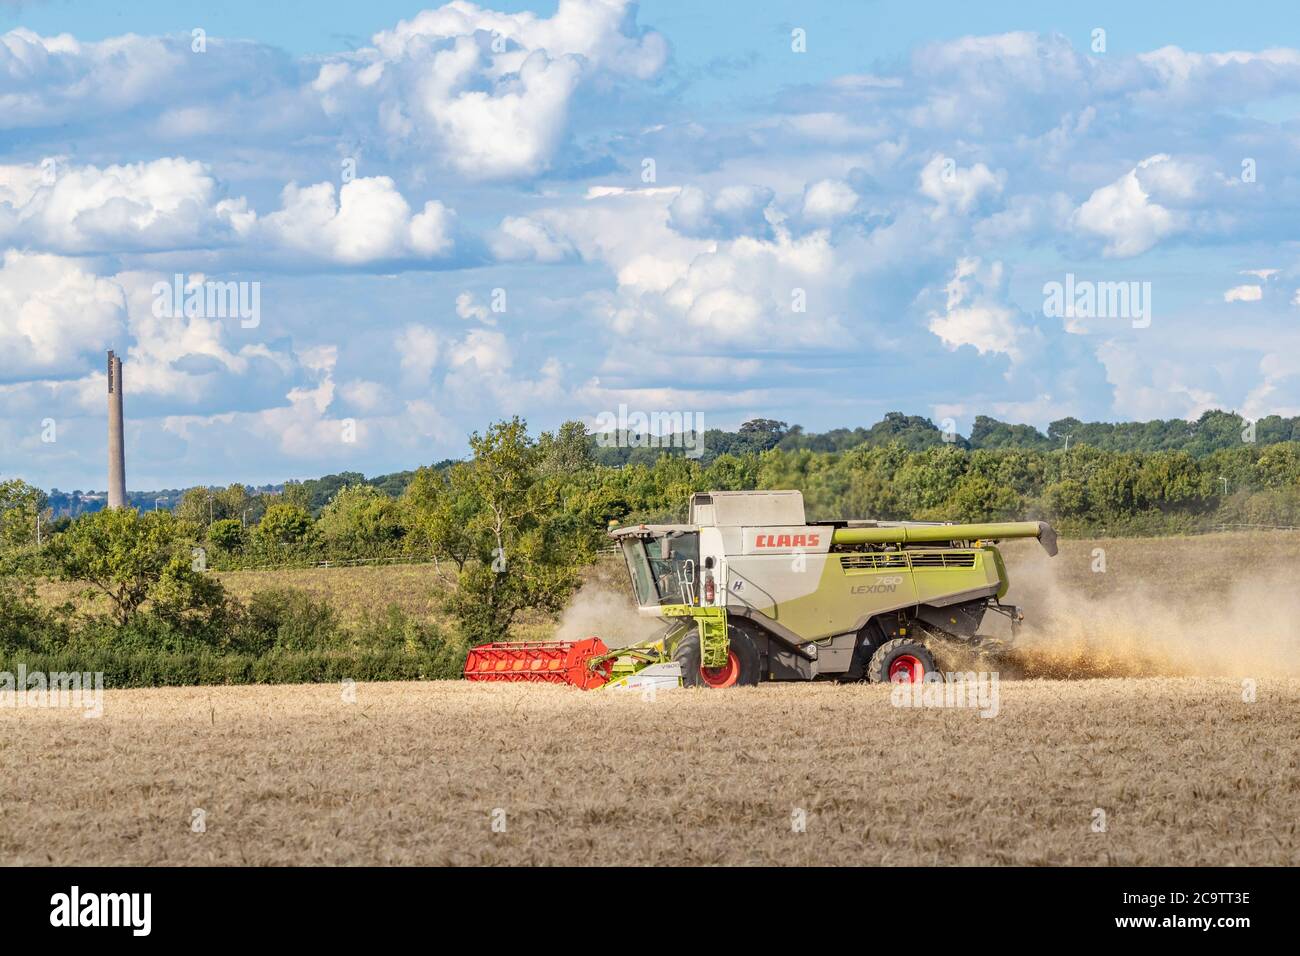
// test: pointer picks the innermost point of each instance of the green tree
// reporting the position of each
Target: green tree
(130, 558)
(926, 479)
(21, 505)
(236, 503)
(198, 507)
(503, 519)
(226, 534)
(991, 433)
(360, 520)
(913, 431)
(321, 491)
(284, 524)
(764, 426)
(438, 509)
(1169, 479)
(1066, 498)
(976, 498)
(1112, 487)
(1278, 466)
(24, 624)
(732, 473)
(295, 493)
(566, 453)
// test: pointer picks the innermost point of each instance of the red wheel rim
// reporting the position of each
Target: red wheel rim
(905, 669)
(723, 676)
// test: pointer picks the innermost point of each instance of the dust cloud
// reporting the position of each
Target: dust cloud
(1197, 606)
(1203, 614)
(601, 611)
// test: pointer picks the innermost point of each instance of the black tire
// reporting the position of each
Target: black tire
(869, 639)
(889, 652)
(748, 670)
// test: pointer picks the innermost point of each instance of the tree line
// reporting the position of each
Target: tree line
(913, 474)
(1212, 431)
(510, 529)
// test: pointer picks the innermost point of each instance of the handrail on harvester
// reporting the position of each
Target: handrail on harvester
(923, 533)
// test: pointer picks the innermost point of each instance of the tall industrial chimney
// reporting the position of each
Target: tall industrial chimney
(116, 446)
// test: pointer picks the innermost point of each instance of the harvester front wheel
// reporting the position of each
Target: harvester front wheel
(742, 669)
(900, 660)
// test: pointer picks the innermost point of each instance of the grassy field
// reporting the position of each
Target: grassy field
(1184, 771)
(417, 589)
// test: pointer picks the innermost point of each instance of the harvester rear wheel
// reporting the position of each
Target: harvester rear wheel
(900, 660)
(743, 668)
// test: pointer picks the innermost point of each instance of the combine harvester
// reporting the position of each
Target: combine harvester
(752, 591)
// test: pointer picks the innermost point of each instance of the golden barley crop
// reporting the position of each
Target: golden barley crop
(1138, 771)
(1179, 748)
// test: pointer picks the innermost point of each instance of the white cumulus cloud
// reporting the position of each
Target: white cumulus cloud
(1123, 213)
(974, 313)
(955, 189)
(55, 316)
(163, 204)
(731, 211)
(521, 238)
(367, 220)
(827, 200)
(1244, 293)
(489, 91)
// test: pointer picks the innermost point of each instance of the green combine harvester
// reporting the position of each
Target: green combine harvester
(754, 592)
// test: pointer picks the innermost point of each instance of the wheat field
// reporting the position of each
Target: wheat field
(1148, 716)
(1184, 771)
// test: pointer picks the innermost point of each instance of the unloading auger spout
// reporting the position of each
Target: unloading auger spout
(921, 533)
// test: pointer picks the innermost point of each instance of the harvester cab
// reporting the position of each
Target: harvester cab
(751, 591)
(664, 567)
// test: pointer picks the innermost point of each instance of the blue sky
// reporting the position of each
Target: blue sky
(453, 214)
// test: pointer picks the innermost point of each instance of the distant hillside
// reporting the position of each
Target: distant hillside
(1213, 431)
(316, 493)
